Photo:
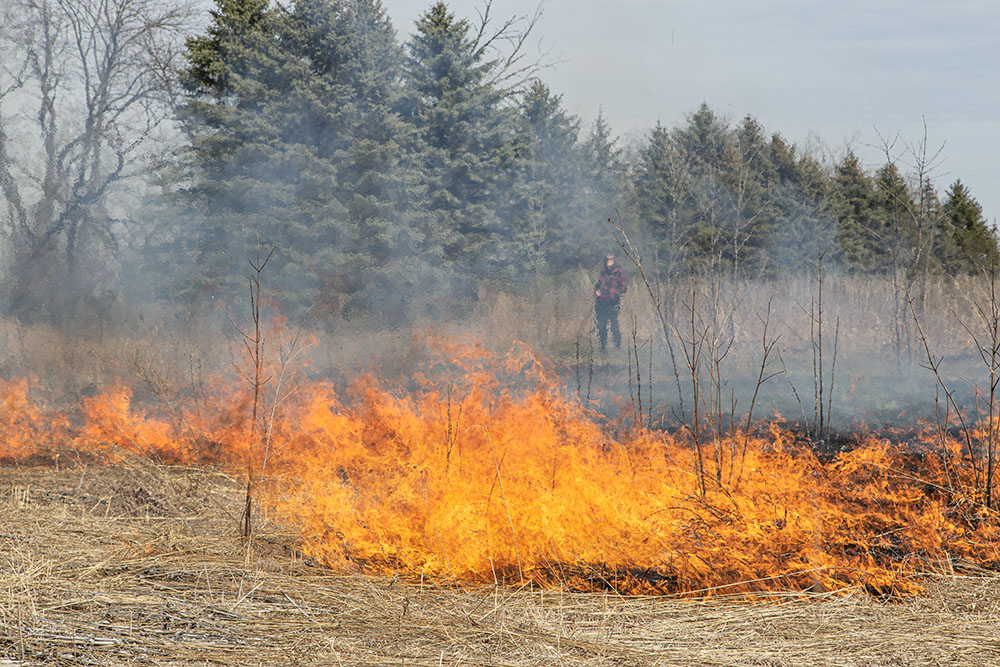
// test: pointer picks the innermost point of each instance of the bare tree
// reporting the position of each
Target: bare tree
(504, 44)
(81, 101)
(911, 231)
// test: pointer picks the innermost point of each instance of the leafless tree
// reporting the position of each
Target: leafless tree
(84, 91)
(505, 45)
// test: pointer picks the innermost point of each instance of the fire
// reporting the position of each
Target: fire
(484, 469)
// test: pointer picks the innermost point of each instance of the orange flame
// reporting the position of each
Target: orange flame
(483, 469)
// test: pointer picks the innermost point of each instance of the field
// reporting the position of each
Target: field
(467, 456)
(142, 564)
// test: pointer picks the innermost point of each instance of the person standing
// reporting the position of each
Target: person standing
(611, 284)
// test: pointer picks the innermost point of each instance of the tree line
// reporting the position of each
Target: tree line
(396, 178)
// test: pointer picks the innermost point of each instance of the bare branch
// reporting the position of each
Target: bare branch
(510, 69)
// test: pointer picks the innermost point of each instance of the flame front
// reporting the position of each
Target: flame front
(484, 470)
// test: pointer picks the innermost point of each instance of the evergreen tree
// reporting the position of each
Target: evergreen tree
(746, 209)
(703, 141)
(798, 190)
(554, 178)
(258, 127)
(853, 206)
(934, 227)
(602, 189)
(603, 167)
(474, 156)
(386, 247)
(894, 225)
(294, 119)
(704, 210)
(660, 185)
(974, 242)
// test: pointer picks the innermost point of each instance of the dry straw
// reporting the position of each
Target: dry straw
(142, 564)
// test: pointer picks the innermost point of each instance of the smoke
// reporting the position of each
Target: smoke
(496, 235)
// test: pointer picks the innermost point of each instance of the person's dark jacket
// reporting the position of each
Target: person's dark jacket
(611, 284)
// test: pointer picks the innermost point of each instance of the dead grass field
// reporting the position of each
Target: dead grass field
(141, 564)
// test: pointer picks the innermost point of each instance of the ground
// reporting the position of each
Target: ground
(142, 564)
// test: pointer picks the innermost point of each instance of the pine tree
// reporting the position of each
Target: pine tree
(746, 210)
(386, 248)
(894, 226)
(704, 210)
(602, 189)
(295, 123)
(935, 228)
(798, 190)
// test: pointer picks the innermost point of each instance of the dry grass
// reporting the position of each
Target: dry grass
(141, 564)
(163, 351)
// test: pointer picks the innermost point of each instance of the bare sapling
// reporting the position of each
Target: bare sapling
(451, 432)
(692, 351)
(719, 335)
(767, 344)
(668, 335)
(635, 393)
(988, 347)
(642, 413)
(823, 378)
(987, 342)
(705, 340)
(576, 370)
(287, 352)
(631, 390)
(585, 400)
(909, 218)
(951, 409)
(980, 439)
(253, 343)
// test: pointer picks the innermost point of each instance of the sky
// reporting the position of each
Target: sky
(827, 76)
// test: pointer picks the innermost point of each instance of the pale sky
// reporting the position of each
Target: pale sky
(820, 73)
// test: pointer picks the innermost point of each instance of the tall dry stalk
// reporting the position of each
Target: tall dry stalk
(767, 347)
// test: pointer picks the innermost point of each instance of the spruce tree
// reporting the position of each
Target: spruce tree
(661, 183)
(603, 168)
(294, 116)
(798, 190)
(704, 210)
(474, 156)
(603, 189)
(386, 248)
(894, 225)
(258, 127)
(854, 209)
(553, 179)
(746, 211)
(974, 242)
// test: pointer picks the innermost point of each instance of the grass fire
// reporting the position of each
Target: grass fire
(482, 470)
(330, 333)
